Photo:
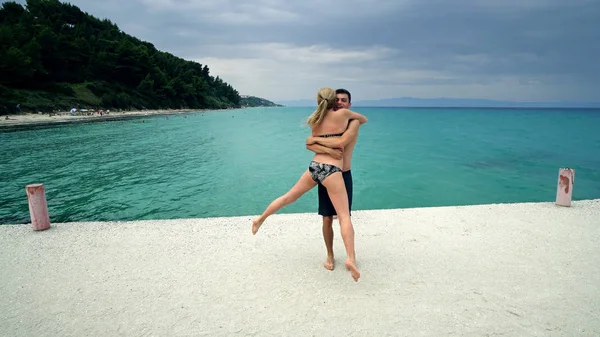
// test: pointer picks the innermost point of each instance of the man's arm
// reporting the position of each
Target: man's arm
(354, 115)
(317, 148)
(337, 142)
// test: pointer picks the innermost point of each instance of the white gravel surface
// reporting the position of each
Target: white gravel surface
(528, 269)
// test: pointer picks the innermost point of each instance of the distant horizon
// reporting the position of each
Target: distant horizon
(457, 107)
(443, 102)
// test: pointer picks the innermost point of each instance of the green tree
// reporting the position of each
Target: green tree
(55, 47)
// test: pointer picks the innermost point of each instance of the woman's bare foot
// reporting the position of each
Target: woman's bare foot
(329, 263)
(256, 225)
(351, 266)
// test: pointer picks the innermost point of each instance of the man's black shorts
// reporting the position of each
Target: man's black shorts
(325, 205)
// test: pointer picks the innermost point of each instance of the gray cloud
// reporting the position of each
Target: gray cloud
(502, 49)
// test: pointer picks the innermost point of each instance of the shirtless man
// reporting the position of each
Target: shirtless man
(338, 147)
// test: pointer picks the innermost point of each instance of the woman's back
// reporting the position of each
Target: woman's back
(333, 123)
(325, 121)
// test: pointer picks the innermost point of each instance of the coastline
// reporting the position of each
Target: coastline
(520, 269)
(32, 119)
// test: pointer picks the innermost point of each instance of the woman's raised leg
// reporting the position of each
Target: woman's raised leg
(304, 184)
(339, 198)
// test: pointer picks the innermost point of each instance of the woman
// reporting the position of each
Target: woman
(324, 169)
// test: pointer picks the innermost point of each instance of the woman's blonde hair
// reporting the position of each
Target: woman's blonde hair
(325, 101)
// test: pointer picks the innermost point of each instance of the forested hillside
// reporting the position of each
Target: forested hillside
(253, 101)
(54, 56)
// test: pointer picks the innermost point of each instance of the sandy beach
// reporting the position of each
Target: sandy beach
(66, 117)
(530, 269)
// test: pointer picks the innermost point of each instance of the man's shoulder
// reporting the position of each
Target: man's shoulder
(341, 113)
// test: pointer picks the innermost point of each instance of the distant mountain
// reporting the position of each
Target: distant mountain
(253, 101)
(449, 103)
(467, 102)
(298, 103)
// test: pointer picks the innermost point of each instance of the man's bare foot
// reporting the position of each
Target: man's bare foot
(329, 263)
(351, 266)
(256, 225)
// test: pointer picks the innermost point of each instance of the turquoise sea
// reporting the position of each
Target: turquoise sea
(235, 162)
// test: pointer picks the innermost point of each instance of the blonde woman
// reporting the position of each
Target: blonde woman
(324, 169)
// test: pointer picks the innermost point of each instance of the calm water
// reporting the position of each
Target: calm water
(229, 163)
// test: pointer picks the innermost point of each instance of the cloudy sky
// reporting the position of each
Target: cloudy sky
(521, 50)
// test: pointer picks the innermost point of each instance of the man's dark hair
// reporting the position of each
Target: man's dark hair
(344, 91)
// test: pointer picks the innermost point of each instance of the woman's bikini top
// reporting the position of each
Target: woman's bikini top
(331, 135)
(335, 134)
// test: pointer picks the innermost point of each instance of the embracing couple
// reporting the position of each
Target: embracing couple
(334, 134)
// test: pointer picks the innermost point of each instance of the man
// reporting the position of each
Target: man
(339, 147)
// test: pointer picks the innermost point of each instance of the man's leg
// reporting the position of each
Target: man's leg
(349, 187)
(327, 210)
(328, 237)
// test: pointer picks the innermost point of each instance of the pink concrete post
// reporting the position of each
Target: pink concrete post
(564, 192)
(38, 209)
